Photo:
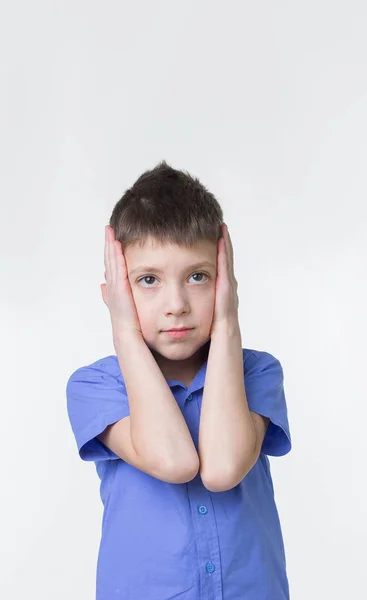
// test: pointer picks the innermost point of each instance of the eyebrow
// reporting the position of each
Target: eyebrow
(158, 270)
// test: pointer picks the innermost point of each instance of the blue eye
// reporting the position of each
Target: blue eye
(152, 277)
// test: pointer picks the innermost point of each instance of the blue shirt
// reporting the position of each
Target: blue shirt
(163, 541)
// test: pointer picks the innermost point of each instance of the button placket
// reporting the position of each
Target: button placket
(208, 548)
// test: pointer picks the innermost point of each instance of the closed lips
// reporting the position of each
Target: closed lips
(181, 329)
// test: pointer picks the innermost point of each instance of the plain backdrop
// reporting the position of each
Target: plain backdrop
(266, 103)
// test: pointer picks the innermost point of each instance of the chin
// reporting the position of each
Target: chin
(179, 350)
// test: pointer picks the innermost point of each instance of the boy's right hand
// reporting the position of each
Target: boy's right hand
(116, 292)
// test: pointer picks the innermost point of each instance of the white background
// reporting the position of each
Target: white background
(266, 103)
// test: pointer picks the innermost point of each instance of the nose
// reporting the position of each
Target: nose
(176, 301)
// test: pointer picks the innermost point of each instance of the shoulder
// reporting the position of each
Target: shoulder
(261, 368)
(264, 384)
(96, 397)
(258, 359)
(103, 368)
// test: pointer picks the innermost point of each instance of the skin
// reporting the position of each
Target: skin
(174, 296)
(230, 435)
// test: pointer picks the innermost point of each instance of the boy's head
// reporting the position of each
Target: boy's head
(169, 224)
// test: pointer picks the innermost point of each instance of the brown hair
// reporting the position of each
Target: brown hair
(169, 205)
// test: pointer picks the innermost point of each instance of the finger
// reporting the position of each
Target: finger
(121, 269)
(111, 256)
(105, 250)
(221, 258)
(229, 249)
(225, 260)
(108, 259)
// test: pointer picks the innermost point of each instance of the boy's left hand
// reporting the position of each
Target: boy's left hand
(226, 297)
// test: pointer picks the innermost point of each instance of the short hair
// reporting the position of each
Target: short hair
(168, 205)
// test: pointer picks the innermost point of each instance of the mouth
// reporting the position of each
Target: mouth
(178, 329)
(178, 333)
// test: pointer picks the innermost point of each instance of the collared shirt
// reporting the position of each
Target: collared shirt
(163, 541)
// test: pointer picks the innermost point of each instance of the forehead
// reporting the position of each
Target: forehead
(164, 255)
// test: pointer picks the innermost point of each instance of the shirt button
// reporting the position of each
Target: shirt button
(189, 397)
(210, 567)
(203, 509)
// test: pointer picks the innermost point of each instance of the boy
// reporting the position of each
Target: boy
(180, 423)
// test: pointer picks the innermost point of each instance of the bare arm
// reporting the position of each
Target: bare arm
(230, 435)
(117, 437)
(155, 437)
(158, 431)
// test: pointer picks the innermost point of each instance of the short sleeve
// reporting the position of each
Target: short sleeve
(264, 385)
(96, 398)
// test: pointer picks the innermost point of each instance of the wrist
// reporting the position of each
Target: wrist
(124, 339)
(228, 328)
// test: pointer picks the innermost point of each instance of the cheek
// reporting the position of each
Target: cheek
(145, 311)
(207, 306)
(202, 300)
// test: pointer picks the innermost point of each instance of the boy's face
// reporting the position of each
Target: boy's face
(174, 287)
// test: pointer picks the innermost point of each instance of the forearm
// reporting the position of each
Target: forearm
(227, 435)
(158, 429)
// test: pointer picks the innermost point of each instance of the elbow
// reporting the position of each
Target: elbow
(219, 483)
(186, 475)
(226, 480)
(176, 473)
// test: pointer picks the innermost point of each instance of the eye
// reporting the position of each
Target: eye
(146, 277)
(200, 281)
(152, 277)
